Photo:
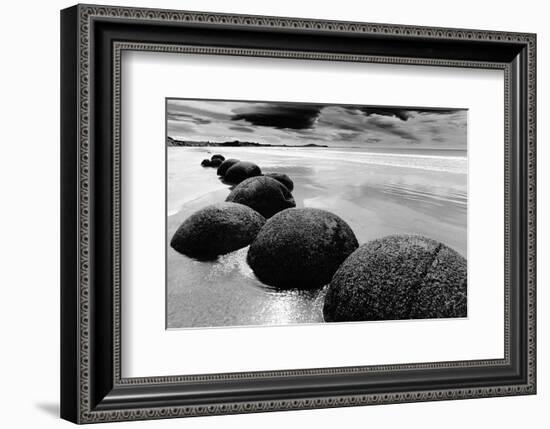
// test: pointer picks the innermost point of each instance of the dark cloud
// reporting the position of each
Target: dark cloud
(241, 128)
(280, 116)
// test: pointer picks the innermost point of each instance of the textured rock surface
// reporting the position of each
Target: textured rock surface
(215, 162)
(205, 163)
(398, 277)
(283, 178)
(217, 229)
(225, 165)
(217, 156)
(265, 195)
(242, 170)
(300, 248)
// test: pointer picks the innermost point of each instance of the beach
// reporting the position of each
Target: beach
(377, 192)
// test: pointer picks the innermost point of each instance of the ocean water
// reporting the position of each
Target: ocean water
(377, 192)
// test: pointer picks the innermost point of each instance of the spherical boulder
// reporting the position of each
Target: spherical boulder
(225, 165)
(283, 178)
(265, 195)
(240, 171)
(398, 277)
(215, 162)
(218, 156)
(300, 248)
(217, 229)
(205, 163)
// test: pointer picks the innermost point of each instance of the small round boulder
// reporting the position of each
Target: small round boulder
(205, 163)
(217, 229)
(240, 171)
(215, 162)
(283, 178)
(300, 248)
(218, 156)
(265, 195)
(225, 165)
(398, 277)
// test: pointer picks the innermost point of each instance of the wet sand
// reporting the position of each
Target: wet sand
(375, 193)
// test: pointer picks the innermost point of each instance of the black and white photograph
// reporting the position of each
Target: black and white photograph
(284, 213)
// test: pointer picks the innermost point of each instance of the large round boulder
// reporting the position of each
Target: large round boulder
(240, 171)
(265, 195)
(225, 165)
(300, 248)
(206, 163)
(217, 229)
(217, 156)
(283, 178)
(398, 277)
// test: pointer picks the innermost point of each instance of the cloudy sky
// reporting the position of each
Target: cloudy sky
(300, 124)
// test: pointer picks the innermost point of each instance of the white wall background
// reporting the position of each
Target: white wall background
(29, 227)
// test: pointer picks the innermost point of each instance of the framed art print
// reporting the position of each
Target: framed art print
(338, 169)
(265, 213)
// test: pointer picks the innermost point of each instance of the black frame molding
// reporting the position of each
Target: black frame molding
(92, 40)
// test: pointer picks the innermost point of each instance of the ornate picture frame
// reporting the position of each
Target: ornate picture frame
(92, 40)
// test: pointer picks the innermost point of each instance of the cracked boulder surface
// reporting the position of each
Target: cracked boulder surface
(398, 277)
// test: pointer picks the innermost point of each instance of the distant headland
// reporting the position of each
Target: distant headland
(235, 143)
